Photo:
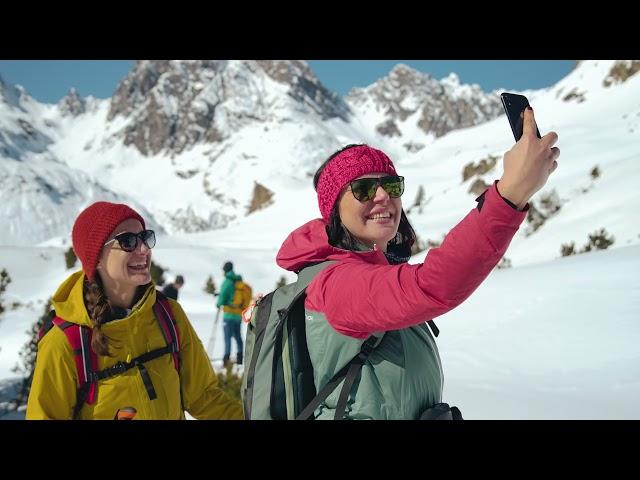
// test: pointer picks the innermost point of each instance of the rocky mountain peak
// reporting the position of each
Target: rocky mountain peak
(72, 104)
(173, 105)
(436, 107)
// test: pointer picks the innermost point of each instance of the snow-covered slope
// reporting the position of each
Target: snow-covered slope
(547, 341)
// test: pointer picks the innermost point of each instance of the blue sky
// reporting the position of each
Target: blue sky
(49, 80)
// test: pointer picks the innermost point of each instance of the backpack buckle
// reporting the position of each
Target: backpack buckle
(119, 367)
(367, 348)
(369, 345)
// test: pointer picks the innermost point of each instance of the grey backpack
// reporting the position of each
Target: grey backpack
(278, 381)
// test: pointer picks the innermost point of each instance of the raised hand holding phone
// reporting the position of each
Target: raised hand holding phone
(514, 106)
(529, 163)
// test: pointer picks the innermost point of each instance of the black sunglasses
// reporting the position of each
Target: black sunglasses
(128, 241)
(365, 189)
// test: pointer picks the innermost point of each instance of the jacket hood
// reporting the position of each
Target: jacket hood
(68, 301)
(309, 244)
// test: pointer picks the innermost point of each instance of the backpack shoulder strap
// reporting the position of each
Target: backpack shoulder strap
(349, 373)
(430, 325)
(46, 325)
(167, 323)
(308, 273)
(305, 276)
(86, 360)
(247, 295)
(355, 365)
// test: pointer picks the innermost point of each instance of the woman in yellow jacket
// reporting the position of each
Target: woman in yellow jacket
(115, 297)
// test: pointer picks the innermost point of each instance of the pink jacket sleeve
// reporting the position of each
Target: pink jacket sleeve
(359, 298)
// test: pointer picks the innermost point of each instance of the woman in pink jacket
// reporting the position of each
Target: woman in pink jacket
(371, 287)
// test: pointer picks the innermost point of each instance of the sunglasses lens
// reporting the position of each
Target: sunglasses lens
(149, 238)
(364, 189)
(127, 241)
(394, 186)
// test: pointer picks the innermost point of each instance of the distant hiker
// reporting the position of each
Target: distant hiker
(369, 289)
(235, 296)
(171, 290)
(114, 343)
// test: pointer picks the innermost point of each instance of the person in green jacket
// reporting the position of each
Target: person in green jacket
(232, 313)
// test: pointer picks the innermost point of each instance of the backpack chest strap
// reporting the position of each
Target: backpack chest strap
(121, 367)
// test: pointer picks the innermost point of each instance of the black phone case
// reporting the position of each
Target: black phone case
(514, 106)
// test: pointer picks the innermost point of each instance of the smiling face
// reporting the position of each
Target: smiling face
(121, 269)
(372, 222)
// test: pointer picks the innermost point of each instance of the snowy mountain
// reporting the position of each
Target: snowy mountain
(211, 139)
(417, 108)
(39, 200)
(193, 140)
(173, 105)
(23, 129)
(205, 145)
(40, 196)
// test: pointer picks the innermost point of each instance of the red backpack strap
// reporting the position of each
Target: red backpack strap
(167, 323)
(46, 325)
(79, 337)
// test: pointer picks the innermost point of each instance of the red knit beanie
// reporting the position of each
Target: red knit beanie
(346, 166)
(92, 229)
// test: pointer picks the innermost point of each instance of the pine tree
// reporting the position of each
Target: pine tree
(550, 203)
(504, 263)
(568, 249)
(230, 382)
(535, 217)
(157, 274)
(70, 258)
(5, 280)
(598, 240)
(210, 286)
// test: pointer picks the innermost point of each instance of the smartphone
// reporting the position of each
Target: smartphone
(514, 106)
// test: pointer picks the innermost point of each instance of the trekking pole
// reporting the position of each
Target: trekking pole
(212, 338)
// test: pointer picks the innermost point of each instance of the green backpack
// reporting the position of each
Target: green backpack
(278, 383)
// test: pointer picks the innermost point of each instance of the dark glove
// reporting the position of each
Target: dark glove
(441, 411)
